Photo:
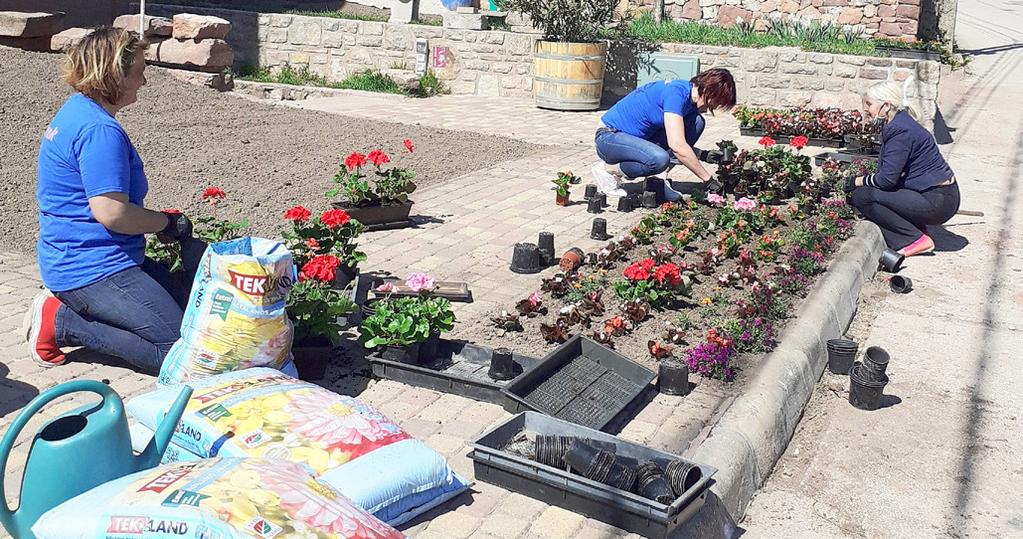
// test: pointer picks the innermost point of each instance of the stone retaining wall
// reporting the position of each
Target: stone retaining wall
(496, 63)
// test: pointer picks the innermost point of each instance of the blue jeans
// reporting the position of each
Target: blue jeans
(134, 314)
(903, 215)
(639, 157)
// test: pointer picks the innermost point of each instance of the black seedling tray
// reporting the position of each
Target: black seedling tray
(785, 139)
(460, 368)
(842, 157)
(626, 510)
(580, 381)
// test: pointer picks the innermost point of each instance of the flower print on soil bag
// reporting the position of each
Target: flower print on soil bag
(236, 316)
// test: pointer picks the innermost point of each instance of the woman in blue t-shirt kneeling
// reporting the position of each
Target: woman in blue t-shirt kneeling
(645, 129)
(108, 296)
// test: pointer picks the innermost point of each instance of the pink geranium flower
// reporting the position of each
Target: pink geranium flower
(715, 199)
(534, 300)
(420, 282)
(745, 204)
(387, 288)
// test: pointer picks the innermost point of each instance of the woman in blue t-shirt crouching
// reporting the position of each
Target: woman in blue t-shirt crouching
(108, 296)
(645, 129)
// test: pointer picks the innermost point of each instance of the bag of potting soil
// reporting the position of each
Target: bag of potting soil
(347, 444)
(212, 499)
(235, 317)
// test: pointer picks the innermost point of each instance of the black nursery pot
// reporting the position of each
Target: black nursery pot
(875, 363)
(673, 378)
(594, 205)
(891, 261)
(545, 244)
(603, 199)
(900, 284)
(625, 204)
(841, 354)
(502, 366)
(682, 476)
(598, 230)
(428, 349)
(649, 199)
(551, 449)
(652, 484)
(402, 354)
(525, 258)
(591, 191)
(865, 394)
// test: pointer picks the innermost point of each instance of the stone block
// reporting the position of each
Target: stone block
(759, 61)
(204, 55)
(67, 38)
(278, 35)
(871, 73)
(909, 12)
(153, 26)
(808, 83)
(928, 71)
(36, 44)
(822, 59)
(773, 81)
(25, 25)
(371, 28)
(852, 60)
(222, 82)
(886, 11)
(879, 62)
(794, 98)
(281, 21)
(305, 33)
(691, 10)
(788, 6)
(728, 15)
(369, 41)
(850, 15)
(466, 21)
(799, 69)
(488, 85)
(189, 26)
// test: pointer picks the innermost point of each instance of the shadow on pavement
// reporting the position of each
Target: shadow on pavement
(945, 241)
(15, 394)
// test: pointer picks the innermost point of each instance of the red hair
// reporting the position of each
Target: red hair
(717, 87)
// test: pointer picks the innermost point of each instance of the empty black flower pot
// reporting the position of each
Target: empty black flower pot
(551, 449)
(594, 205)
(875, 363)
(655, 185)
(603, 199)
(673, 378)
(649, 199)
(502, 366)
(625, 204)
(402, 354)
(525, 258)
(580, 456)
(545, 244)
(623, 474)
(591, 191)
(598, 230)
(891, 261)
(900, 284)
(682, 476)
(652, 484)
(865, 393)
(841, 354)
(646, 470)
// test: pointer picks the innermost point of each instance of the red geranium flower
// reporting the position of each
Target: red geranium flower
(408, 145)
(648, 264)
(766, 142)
(378, 157)
(799, 142)
(298, 214)
(215, 193)
(636, 272)
(355, 161)
(320, 267)
(668, 274)
(172, 210)
(334, 218)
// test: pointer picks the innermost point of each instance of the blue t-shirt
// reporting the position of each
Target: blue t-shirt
(85, 153)
(641, 113)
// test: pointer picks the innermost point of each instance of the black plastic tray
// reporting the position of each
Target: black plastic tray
(460, 368)
(580, 381)
(785, 139)
(842, 157)
(491, 463)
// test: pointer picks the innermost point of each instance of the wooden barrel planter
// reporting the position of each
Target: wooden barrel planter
(568, 76)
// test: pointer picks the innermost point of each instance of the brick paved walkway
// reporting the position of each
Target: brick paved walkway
(467, 229)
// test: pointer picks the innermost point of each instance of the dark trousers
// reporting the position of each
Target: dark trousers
(903, 214)
(134, 314)
(639, 157)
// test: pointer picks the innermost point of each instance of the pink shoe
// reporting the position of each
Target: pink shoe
(923, 245)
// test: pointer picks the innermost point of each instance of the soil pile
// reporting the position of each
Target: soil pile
(266, 157)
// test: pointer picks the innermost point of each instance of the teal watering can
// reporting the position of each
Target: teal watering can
(77, 451)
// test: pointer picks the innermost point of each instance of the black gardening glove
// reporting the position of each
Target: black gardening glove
(713, 186)
(178, 227)
(714, 157)
(850, 184)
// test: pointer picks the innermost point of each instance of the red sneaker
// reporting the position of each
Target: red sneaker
(40, 331)
(922, 245)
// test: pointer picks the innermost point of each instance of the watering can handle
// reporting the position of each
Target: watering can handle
(110, 398)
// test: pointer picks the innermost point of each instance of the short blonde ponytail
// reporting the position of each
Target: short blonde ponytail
(97, 65)
(892, 93)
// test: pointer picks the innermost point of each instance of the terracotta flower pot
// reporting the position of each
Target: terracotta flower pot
(561, 200)
(571, 260)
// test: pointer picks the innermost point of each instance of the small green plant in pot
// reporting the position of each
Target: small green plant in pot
(333, 232)
(562, 184)
(208, 228)
(408, 329)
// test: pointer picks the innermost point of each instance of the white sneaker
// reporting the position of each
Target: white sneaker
(606, 182)
(670, 194)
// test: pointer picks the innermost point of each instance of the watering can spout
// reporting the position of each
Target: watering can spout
(165, 430)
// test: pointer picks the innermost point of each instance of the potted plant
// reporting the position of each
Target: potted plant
(333, 232)
(771, 173)
(436, 310)
(208, 228)
(377, 200)
(568, 63)
(315, 307)
(561, 186)
(397, 328)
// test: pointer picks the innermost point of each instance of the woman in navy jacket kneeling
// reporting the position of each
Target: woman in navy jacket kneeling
(913, 187)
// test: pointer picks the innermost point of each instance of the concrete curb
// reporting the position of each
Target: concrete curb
(288, 92)
(754, 431)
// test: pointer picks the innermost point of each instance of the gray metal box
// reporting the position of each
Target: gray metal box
(662, 66)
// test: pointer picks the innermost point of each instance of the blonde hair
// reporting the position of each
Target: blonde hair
(97, 65)
(890, 92)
